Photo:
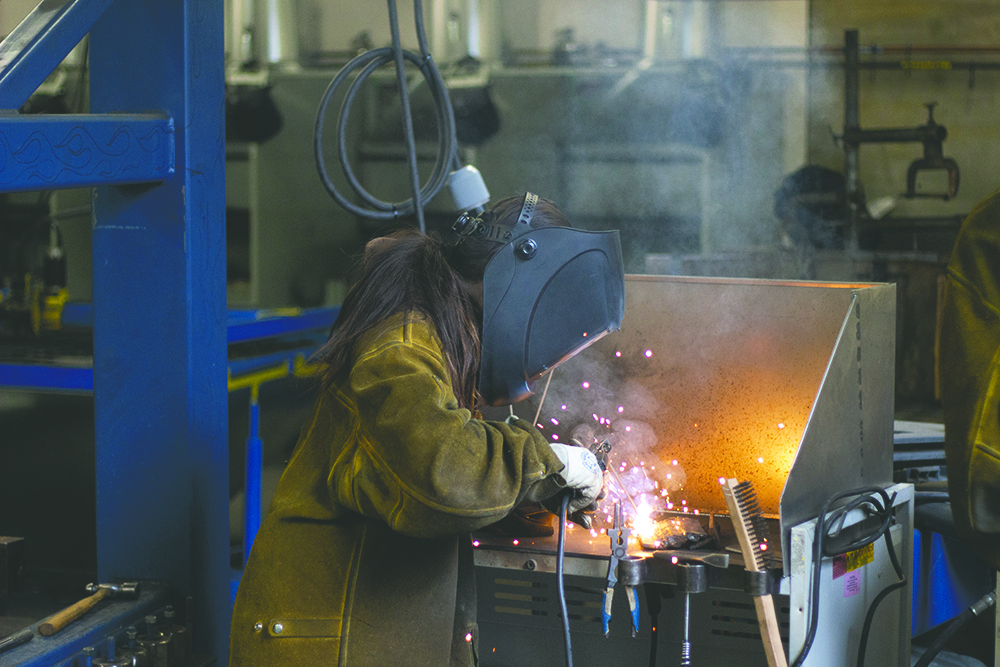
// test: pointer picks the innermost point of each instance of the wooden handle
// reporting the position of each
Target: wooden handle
(767, 620)
(63, 618)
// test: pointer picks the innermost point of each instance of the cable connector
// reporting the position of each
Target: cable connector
(984, 603)
(468, 189)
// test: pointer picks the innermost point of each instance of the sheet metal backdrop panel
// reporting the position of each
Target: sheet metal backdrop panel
(753, 379)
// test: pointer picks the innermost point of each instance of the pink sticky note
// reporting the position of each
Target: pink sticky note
(852, 583)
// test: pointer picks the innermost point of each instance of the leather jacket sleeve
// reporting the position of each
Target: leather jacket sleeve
(969, 368)
(422, 464)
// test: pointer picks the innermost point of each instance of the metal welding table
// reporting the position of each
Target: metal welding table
(519, 616)
(520, 622)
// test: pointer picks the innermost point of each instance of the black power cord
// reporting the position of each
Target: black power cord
(560, 553)
(956, 624)
(447, 156)
(878, 504)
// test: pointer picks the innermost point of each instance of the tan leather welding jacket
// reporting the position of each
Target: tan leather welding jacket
(969, 367)
(364, 557)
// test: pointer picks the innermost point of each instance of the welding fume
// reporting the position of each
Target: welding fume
(366, 555)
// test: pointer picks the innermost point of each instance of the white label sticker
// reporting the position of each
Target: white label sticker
(852, 583)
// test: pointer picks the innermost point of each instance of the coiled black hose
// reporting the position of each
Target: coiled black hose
(877, 503)
(447, 155)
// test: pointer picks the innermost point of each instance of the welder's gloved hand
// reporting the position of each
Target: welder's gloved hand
(582, 475)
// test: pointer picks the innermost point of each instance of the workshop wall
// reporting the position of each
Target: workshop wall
(685, 158)
(966, 101)
(296, 239)
(12, 12)
(700, 72)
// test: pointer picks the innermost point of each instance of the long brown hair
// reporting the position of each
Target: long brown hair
(409, 272)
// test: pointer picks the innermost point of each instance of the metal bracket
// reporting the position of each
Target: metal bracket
(632, 571)
(760, 583)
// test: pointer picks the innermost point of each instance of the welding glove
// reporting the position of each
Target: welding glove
(581, 473)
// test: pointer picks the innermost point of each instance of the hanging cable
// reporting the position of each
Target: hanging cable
(560, 544)
(447, 153)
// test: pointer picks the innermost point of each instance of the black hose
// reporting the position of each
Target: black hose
(404, 100)
(926, 497)
(869, 498)
(947, 634)
(870, 616)
(560, 553)
(447, 153)
(987, 601)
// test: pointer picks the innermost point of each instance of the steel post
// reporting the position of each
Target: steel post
(159, 257)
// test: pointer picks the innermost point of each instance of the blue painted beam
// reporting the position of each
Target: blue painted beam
(159, 285)
(41, 152)
(68, 379)
(245, 325)
(47, 378)
(78, 314)
(242, 324)
(40, 42)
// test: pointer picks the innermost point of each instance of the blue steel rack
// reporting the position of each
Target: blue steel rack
(302, 330)
(153, 150)
(297, 332)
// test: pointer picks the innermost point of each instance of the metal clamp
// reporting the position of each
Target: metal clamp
(692, 578)
(632, 571)
(759, 583)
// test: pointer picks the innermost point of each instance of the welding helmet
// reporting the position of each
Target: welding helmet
(548, 293)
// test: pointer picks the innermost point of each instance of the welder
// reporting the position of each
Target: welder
(969, 368)
(365, 557)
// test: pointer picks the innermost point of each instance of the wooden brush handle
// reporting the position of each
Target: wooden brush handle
(770, 632)
(63, 618)
(767, 619)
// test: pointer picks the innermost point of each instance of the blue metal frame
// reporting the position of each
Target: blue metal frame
(948, 578)
(159, 281)
(47, 378)
(159, 253)
(254, 466)
(253, 324)
(50, 152)
(241, 324)
(309, 327)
